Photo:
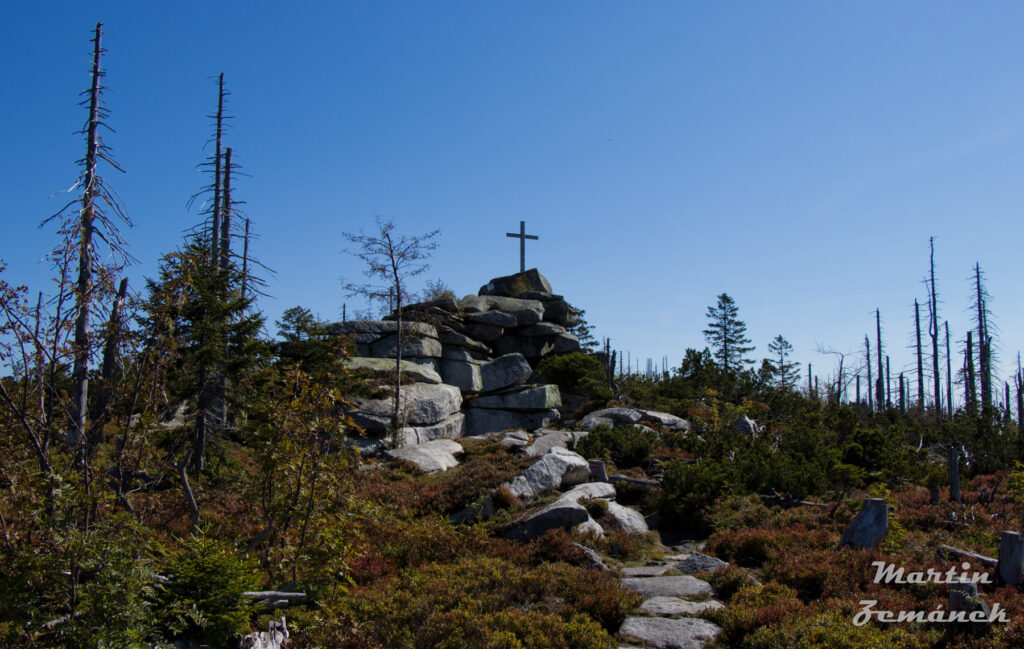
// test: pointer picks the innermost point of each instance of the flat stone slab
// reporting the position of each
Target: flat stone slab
(438, 455)
(646, 571)
(549, 439)
(678, 586)
(668, 633)
(698, 562)
(674, 606)
(538, 397)
(422, 373)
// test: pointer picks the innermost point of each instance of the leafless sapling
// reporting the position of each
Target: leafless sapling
(395, 260)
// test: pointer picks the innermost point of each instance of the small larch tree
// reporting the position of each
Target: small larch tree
(391, 261)
(726, 334)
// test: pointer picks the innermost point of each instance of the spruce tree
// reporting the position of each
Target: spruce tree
(726, 334)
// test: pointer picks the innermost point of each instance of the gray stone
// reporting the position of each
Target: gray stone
(480, 421)
(421, 403)
(463, 354)
(559, 312)
(540, 397)
(666, 420)
(610, 417)
(485, 332)
(513, 285)
(629, 520)
(867, 528)
(647, 571)
(464, 375)
(478, 511)
(593, 558)
(561, 513)
(548, 439)
(1011, 558)
(589, 490)
(526, 312)
(698, 562)
(560, 468)
(536, 346)
(541, 329)
(450, 427)
(515, 440)
(381, 328)
(519, 487)
(670, 633)
(415, 371)
(590, 526)
(438, 455)
(673, 606)
(456, 339)
(598, 471)
(504, 371)
(387, 347)
(498, 319)
(676, 586)
(369, 422)
(747, 426)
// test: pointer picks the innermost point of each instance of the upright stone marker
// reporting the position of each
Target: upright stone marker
(1011, 558)
(868, 528)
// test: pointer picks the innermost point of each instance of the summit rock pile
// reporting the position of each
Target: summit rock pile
(471, 360)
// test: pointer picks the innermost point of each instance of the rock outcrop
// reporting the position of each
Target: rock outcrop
(471, 360)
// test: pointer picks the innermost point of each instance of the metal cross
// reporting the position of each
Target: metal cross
(522, 236)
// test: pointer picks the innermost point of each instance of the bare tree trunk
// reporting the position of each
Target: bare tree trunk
(217, 157)
(245, 266)
(920, 360)
(970, 385)
(903, 403)
(879, 389)
(933, 329)
(888, 384)
(949, 375)
(99, 409)
(84, 286)
(225, 221)
(867, 354)
(983, 342)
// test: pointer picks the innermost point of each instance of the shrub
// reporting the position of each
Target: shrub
(689, 491)
(202, 599)
(626, 446)
(480, 602)
(576, 373)
(738, 512)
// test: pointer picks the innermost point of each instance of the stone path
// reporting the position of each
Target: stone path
(671, 603)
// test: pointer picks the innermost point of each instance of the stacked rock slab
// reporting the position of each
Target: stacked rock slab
(483, 348)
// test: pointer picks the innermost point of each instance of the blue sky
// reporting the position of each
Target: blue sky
(796, 155)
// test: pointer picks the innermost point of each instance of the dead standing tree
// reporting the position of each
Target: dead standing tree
(96, 219)
(394, 260)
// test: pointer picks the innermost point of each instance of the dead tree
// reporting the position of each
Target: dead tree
(970, 384)
(879, 387)
(933, 326)
(394, 260)
(867, 355)
(920, 361)
(984, 339)
(949, 375)
(93, 221)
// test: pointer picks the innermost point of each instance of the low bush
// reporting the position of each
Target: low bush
(626, 446)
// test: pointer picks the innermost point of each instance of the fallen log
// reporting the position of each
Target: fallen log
(790, 502)
(949, 552)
